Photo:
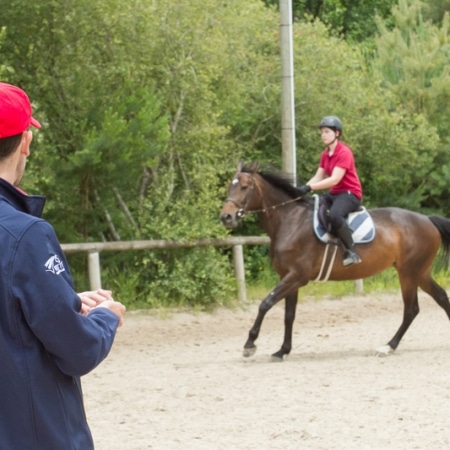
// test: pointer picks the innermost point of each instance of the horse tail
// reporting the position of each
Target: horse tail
(443, 225)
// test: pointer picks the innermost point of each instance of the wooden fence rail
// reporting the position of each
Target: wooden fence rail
(153, 244)
(93, 250)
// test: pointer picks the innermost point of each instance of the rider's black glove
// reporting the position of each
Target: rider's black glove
(304, 189)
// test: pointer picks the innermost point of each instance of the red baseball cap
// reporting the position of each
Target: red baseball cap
(15, 111)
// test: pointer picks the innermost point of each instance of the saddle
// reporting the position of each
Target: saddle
(360, 222)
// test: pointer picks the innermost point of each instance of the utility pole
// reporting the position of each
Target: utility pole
(289, 160)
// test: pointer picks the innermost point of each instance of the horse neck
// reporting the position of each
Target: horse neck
(276, 207)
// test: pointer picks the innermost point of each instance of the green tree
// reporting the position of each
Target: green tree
(413, 60)
(352, 19)
(435, 10)
(140, 119)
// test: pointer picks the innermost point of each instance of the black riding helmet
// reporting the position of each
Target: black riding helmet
(332, 122)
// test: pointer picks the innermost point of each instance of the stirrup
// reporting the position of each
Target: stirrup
(351, 258)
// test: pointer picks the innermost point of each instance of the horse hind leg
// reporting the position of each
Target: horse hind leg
(410, 311)
(438, 294)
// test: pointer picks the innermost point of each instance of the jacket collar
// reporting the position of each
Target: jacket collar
(30, 204)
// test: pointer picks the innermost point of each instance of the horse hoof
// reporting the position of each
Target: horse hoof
(384, 350)
(250, 351)
(276, 358)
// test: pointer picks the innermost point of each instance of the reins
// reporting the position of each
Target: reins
(253, 211)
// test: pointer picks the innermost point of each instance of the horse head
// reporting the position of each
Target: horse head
(241, 196)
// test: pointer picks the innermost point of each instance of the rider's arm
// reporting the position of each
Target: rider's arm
(320, 181)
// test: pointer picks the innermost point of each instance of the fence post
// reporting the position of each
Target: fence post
(238, 258)
(359, 285)
(94, 270)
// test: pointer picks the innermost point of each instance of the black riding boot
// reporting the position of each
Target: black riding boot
(350, 255)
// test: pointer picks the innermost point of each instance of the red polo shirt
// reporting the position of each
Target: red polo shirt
(342, 157)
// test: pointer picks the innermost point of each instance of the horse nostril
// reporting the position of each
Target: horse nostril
(225, 218)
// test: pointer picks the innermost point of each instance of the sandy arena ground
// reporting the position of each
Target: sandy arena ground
(180, 382)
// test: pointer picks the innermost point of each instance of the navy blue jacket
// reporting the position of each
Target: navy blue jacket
(45, 343)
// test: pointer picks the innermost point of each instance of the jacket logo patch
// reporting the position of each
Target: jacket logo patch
(54, 265)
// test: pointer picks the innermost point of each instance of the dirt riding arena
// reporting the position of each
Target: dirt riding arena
(180, 382)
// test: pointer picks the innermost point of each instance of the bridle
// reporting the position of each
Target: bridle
(241, 206)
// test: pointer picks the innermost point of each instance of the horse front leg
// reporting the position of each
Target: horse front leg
(265, 305)
(289, 317)
(281, 290)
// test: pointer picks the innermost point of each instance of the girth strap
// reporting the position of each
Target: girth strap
(324, 263)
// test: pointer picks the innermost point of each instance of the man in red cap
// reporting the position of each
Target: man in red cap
(15, 111)
(49, 335)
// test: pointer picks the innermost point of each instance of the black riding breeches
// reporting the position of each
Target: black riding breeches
(341, 205)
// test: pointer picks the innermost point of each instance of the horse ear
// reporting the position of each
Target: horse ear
(255, 166)
(239, 166)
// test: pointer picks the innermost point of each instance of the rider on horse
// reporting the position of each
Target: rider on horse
(337, 173)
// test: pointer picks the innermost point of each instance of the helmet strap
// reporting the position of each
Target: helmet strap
(336, 137)
(333, 144)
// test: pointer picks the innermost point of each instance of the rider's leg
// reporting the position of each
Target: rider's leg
(350, 255)
(342, 205)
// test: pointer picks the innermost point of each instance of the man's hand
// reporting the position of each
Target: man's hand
(91, 299)
(116, 307)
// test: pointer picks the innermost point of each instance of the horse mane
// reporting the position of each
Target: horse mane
(278, 180)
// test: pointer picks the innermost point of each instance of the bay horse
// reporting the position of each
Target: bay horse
(405, 240)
